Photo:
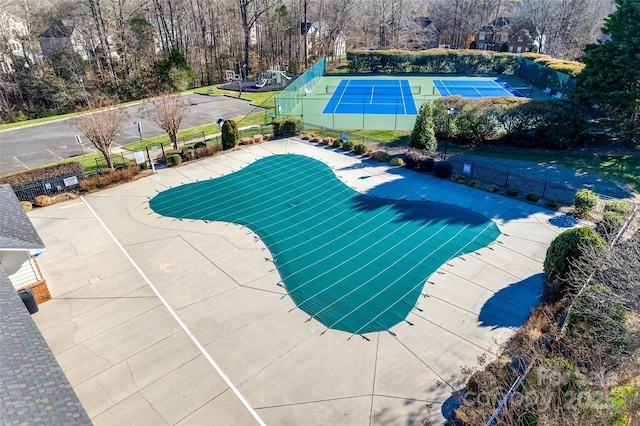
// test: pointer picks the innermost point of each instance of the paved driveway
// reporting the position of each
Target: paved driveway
(146, 307)
(32, 146)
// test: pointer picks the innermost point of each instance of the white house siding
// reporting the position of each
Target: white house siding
(19, 267)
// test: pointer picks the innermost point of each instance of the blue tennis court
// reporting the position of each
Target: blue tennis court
(371, 97)
(475, 89)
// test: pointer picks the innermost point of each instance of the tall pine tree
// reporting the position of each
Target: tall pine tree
(611, 77)
(423, 136)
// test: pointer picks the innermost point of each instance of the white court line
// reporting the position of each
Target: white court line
(177, 318)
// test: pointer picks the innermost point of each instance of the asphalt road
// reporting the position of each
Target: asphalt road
(31, 146)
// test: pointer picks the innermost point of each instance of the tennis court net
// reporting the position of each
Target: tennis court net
(415, 90)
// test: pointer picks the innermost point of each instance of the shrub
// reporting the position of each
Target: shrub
(611, 222)
(456, 178)
(42, 201)
(567, 247)
(89, 184)
(267, 136)
(552, 203)
(360, 148)
(481, 383)
(26, 206)
(206, 151)
(246, 141)
(173, 159)
(315, 139)
(412, 158)
(532, 197)
(347, 145)
(381, 156)
(443, 169)
(512, 192)
(257, 138)
(112, 177)
(337, 143)
(475, 183)
(327, 141)
(17, 117)
(618, 206)
(199, 145)
(585, 201)
(230, 134)
(427, 165)
(396, 161)
(187, 154)
(602, 314)
(287, 126)
(493, 188)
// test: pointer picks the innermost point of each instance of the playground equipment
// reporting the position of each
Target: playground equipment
(272, 77)
(231, 75)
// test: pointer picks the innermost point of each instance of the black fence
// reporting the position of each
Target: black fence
(507, 180)
(49, 187)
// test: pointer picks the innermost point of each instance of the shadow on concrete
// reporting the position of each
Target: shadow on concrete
(564, 221)
(510, 307)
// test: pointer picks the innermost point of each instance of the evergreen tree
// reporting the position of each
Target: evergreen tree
(423, 136)
(611, 77)
(230, 134)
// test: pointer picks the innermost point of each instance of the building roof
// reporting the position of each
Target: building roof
(33, 387)
(16, 230)
(58, 30)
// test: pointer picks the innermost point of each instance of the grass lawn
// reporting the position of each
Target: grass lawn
(621, 168)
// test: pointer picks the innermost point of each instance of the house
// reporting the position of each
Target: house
(507, 35)
(60, 36)
(423, 34)
(340, 45)
(19, 246)
(314, 34)
(12, 31)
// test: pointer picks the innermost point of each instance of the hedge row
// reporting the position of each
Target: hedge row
(571, 68)
(556, 124)
(432, 61)
(287, 126)
(462, 61)
(29, 177)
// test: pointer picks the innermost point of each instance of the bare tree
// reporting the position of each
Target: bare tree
(250, 12)
(101, 128)
(168, 111)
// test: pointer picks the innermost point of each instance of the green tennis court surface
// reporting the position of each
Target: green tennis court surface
(353, 262)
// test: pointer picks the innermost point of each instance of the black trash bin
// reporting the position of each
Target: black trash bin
(29, 300)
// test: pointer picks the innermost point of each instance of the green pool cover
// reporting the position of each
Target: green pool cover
(353, 262)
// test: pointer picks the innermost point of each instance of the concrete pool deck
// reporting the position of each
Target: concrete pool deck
(135, 355)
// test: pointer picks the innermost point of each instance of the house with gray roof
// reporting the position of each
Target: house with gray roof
(33, 388)
(19, 246)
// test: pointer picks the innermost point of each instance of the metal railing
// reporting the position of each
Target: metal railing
(48, 187)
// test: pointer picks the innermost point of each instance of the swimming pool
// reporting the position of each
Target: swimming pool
(353, 262)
